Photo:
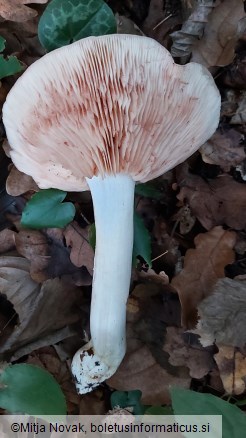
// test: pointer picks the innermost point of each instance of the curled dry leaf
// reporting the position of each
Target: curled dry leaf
(198, 360)
(15, 10)
(77, 239)
(44, 312)
(18, 183)
(215, 202)
(216, 48)
(151, 276)
(224, 149)
(203, 266)
(192, 29)
(232, 367)
(223, 314)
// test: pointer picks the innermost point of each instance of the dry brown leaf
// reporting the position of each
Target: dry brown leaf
(223, 314)
(197, 359)
(18, 183)
(151, 276)
(232, 367)
(77, 239)
(127, 26)
(15, 10)
(162, 17)
(203, 266)
(33, 245)
(7, 241)
(140, 370)
(44, 313)
(240, 114)
(146, 366)
(218, 201)
(49, 256)
(224, 149)
(192, 29)
(216, 48)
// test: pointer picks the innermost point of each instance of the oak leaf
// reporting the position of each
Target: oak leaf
(214, 202)
(232, 367)
(15, 10)
(216, 47)
(203, 266)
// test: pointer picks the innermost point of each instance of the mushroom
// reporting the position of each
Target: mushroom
(105, 113)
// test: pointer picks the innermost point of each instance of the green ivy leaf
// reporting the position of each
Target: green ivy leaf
(148, 190)
(66, 21)
(158, 410)
(126, 399)
(187, 402)
(2, 43)
(45, 210)
(31, 390)
(142, 241)
(9, 66)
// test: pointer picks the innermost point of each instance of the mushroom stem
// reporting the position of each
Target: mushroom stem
(113, 200)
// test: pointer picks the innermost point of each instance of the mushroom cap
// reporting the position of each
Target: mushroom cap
(107, 105)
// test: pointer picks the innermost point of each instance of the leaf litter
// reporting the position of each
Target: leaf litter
(196, 230)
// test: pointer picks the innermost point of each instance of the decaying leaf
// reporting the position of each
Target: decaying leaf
(44, 313)
(162, 17)
(192, 29)
(18, 183)
(146, 366)
(7, 241)
(151, 276)
(232, 367)
(127, 26)
(77, 239)
(214, 202)
(203, 266)
(216, 48)
(197, 359)
(240, 114)
(223, 314)
(49, 256)
(15, 10)
(224, 149)
(33, 245)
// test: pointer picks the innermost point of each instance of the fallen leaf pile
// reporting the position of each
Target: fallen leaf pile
(186, 312)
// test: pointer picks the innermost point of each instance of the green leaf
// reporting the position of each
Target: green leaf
(45, 210)
(66, 21)
(2, 43)
(158, 410)
(31, 390)
(142, 241)
(148, 190)
(128, 399)
(187, 402)
(9, 66)
(141, 244)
